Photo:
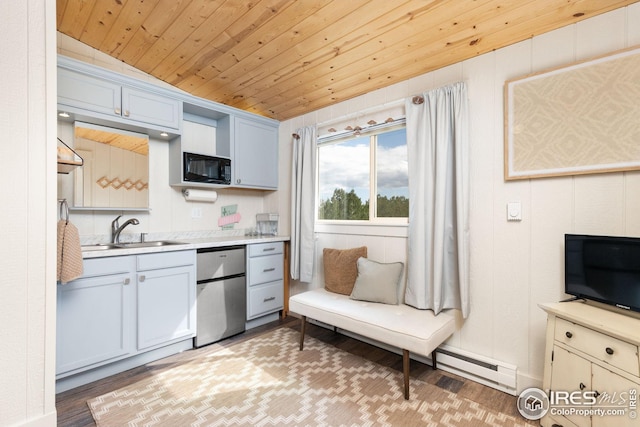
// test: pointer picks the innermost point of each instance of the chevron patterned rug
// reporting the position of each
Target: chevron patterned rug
(267, 381)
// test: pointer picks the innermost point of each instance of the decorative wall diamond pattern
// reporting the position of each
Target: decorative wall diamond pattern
(583, 118)
(267, 381)
(116, 183)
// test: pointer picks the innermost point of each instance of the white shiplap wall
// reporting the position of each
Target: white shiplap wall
(514, 266)
(28, 249)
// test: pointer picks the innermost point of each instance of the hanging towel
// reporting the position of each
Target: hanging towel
(69, 252)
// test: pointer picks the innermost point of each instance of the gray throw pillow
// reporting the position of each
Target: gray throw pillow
(377, 282)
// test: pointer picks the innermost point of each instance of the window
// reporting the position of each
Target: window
(364, 178)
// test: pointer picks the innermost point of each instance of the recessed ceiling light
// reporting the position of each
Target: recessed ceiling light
(164, 134)
(63, 114)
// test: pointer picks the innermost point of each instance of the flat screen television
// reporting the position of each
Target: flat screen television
(604, 269)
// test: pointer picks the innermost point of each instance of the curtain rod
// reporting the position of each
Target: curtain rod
(363, 112)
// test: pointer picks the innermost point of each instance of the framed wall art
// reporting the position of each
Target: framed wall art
(579, 119)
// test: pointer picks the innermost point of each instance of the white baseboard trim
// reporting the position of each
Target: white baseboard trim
(50, 419)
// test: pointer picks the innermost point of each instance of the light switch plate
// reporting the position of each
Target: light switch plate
(514, 211)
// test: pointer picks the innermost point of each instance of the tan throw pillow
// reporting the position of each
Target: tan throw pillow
(377, 282)
(341, 268)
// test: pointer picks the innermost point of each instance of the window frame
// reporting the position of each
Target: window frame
(335, 225)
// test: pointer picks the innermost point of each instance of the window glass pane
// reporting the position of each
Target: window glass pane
(392, 174)
(343, 179)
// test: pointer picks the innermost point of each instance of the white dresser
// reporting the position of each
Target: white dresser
(591, 349)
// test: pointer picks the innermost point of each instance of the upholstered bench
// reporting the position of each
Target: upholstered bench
(398, 325)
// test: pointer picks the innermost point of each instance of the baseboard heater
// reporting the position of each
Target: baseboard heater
(492, 373)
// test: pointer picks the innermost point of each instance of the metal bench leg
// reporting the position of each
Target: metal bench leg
(433, 360)
(303, 326)
(405, 371)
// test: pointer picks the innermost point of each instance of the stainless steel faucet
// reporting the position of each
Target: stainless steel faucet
(116, 228)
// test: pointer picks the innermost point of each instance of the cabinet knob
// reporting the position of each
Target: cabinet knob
(142, 278)
(238, 181)
(126, 113)
(126, 281)
(609, 351)
(117, 111)
(582, 386)
(568, 334)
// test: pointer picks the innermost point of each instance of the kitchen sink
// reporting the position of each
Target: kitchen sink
(152, 244)
(132, 245)
(100, 247)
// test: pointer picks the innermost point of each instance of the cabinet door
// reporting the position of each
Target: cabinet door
(147, 107)
(571, 373)
(255, 162)
(94, 321)
(614, 393)
(88, 93)
(166, 305)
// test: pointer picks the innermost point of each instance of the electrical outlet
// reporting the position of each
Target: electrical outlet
(196, 212)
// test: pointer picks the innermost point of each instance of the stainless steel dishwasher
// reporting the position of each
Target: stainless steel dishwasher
(222, 294)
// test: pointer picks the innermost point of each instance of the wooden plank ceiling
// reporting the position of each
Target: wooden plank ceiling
(284, 58)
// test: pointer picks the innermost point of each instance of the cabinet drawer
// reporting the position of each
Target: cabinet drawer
(265, 269)
(260, 249)
(265, 299)
(92, 267)
(165, 260)
(610, 350)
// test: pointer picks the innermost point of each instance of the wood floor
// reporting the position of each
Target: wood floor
(73, 410)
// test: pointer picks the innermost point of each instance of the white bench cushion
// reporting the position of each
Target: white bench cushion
(402, 326)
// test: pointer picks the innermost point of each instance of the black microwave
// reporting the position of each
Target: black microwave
(206, 169)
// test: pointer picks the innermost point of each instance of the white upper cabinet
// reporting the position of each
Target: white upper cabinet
(255, 160)
(89, 93)
(95, 95)
(148, 107)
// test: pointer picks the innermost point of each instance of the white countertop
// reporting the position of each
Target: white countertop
(206, 242)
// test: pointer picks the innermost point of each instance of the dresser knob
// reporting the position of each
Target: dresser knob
(609, 351)
(568, 334)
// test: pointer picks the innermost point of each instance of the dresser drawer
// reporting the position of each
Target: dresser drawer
(265, 299)
(265, 269)
(613, 351)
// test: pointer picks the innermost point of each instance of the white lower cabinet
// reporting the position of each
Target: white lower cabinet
(124, 307)
(265, 279)
(166, 298)
(592, 361)
(96, 315)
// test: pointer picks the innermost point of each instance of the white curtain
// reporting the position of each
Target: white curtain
(438, 146)
(302, 204)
